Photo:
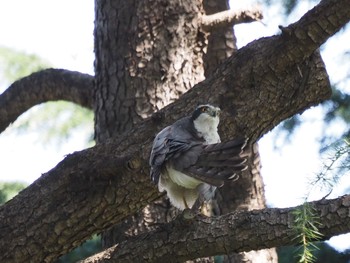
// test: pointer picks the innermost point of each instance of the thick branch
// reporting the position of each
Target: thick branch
(91, 190)
(82, 195)
(230, 17)
(183, 239)
(43, 86)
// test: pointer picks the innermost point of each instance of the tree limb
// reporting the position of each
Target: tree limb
(230, 17)
(320, 23)
(94, 189)
(185, 239)
(43, 86)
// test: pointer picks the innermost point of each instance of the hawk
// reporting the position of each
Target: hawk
(189, 161)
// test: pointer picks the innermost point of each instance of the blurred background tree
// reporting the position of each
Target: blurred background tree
(9, 190)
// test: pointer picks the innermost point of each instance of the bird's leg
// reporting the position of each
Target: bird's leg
(185, 203)
(188, 213)
(197, 205)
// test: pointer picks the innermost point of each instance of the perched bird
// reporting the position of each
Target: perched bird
(189, 162)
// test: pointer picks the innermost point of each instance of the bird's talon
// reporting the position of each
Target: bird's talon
(188, 214)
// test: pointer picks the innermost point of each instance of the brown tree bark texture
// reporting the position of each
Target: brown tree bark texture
(266, 82)
(184, 239)
(147, 54)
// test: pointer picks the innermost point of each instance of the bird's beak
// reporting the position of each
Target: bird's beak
(215, 112)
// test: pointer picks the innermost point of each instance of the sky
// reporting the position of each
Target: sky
(61, 31)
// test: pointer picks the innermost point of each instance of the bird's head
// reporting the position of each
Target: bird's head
(206, 120)
(206, 111)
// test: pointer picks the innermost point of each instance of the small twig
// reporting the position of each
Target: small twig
(230, 17)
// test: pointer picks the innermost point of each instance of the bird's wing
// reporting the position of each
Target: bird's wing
(220, 162)
(176, 147)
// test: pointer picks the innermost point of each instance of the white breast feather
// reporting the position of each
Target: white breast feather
(207, 126)
(172, 182)
(182, 179)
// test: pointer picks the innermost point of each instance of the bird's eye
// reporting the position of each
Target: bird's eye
(204, 109)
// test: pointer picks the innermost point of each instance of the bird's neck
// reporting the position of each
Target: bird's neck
(207, 128)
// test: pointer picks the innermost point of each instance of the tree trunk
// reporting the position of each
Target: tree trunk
(148, 53)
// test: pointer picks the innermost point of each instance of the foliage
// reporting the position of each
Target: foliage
(54, 121)
(16, 64)
(9, 189)
(306, 219)
(324, 254)
(288, 5)
(336, 113)
(306, 226)
(87, 249)
(336, 165)
(338, 106)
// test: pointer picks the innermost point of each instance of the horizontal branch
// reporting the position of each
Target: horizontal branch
(43, 86)
(91, 190)
(186, 239)
(230, 17)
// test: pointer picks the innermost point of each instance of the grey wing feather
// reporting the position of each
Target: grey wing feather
(159, 152)
(176, 146)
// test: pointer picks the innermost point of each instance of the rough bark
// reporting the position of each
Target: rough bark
(43, 86)
(147, 54)
(185, 239)
(91, 190)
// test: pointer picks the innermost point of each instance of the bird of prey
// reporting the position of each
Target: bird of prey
(189, 162)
